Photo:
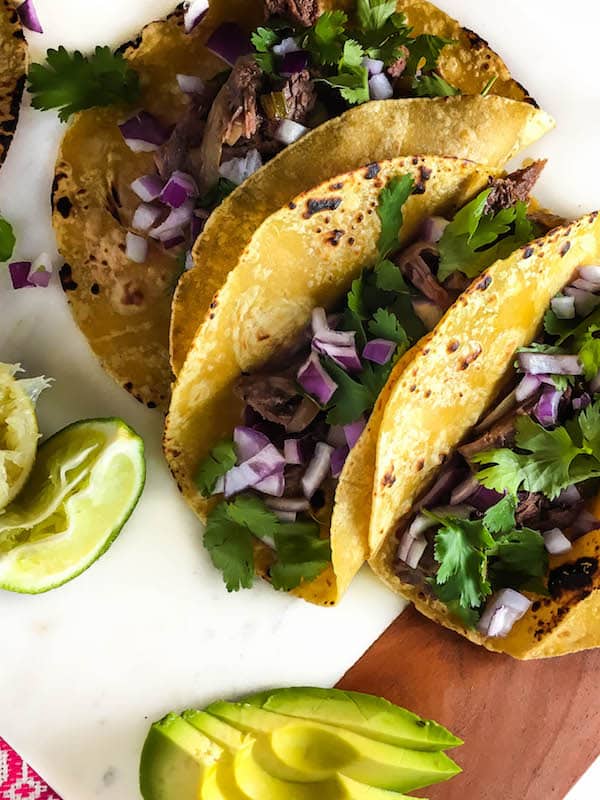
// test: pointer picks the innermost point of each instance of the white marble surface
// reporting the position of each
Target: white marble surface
(150, 627)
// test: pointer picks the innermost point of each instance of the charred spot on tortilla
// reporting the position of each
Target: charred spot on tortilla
(427, 394)
(66, 278)
(335, 237)
(485, 283)
(453, 346)
(528, 252)
(292, 206)
(573, 576)
(151, 404)
(132, 296)
(420, 465)
(360, 217)
(470, 358)
(565, 248)
(64, 207)
(335, 187)
(476, 42)
(389, 479)
(413, 388)
(325, 204)
(351, 240)
(95, 289)
(373, 171)
(420, 184)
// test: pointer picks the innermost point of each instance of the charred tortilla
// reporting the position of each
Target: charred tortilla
(124, 308)
(453, 379)
(13, 67)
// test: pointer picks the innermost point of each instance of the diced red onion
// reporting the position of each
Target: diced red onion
(433, 229)
(289, 131)
(292, 451)
(502, 611)
(319, 321)
(178, 218)
(136, 248)
(545, 363)
(294, 62)
(238, 169)
(289, 45)
(19, 274)
(585, 302)
(345, 356)
(195, 10)
(546, 409)
(336, 338)
(253, 472)
(587, 286)
(527, 387)
(180, 187)
(229, 42)
(338, 459)
(248, 442)
(190, 84)
(595, 383)
(316, 381)
(379, 351)
(29, 17)
(143, 133)
(415, 554)
(273, 485)
(590, 273)
(373, 66)
(569, 496)
(39, 278)
(336, 436)
(563, 306)
(380, 87)
(353, 431)
(317, 470)
(556, 543)
(464, 490)
(148, 187)
(585, 523)
(145, 217)
(484, 498)
(296, 504)
(579, 403)
(427, 311)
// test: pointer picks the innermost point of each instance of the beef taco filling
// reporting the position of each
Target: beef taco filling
(299, 69)
(276, 478)
(518, 489)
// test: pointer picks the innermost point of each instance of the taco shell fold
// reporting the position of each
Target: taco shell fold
(13, 68)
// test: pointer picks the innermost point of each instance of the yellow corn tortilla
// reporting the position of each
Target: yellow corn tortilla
(292, 265)
(13, 67)
(452, 380)
(124, 308)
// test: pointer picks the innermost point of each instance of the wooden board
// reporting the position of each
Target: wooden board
(531, 729)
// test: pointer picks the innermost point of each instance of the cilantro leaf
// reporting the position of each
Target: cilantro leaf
(425, 51)
(372, 15)
(73, 82)
(460, 551)
(388, 278)
(263, 40)
(386, 325)
(325, 41)
(520, 556)
(221, 459)
(217, 193)
(555, 326)
(7, 240)
(501, 517)
(392, 198)
(301, 555)
(351, 398)
(253, 513)
(589, 351)
(231, 548)
(352, 78)
(434, 86)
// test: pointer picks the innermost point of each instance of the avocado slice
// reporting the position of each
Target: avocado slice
(226, 736)
(305, 751)
(174, 760)
(361, 713)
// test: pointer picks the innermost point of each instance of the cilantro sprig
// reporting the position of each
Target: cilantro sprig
(478, 557)
(475, 239)
(220, 460)
(231, 528)
(73, 82)
(7, 240)
(548, 461)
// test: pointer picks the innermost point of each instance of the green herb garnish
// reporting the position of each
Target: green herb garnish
(7, 240)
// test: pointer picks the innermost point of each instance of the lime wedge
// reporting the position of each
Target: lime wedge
(86, 482)
(18, 430)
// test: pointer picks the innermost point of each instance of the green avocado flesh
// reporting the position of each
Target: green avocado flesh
(175, 760)
(242, 751)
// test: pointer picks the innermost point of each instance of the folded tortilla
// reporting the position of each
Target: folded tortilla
(13, 68)
(290, 267)
(124, 308)
(454, 377)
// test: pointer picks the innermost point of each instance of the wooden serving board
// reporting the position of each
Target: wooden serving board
(531, 729)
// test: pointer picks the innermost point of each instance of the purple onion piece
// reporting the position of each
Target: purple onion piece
(294, 62)
(229, 42)
(288, 45)
(195, 11)
(19, 274)
(251, 473)
(136, 248)
(380, 87)
(29, 17)
(379, 351)
(587, 286)
(546, 409)
(373, 66)
(40, 278)
(585, 302)
(148, 187)
(353, 432)
(556, 543)
(528, 386)
(289, 131)
(178, 218)
(563, 306)
(273, 485)
(292, 451)
(579, 403)
(544, 363)
(317, 470)
(484, 498)
(143, 132)
(248, 442)
(464, 490)
(145, 217)
(502, 611)
(344, 356)
(180, 187)
(433, 229)
(316, 381)
(591, 273)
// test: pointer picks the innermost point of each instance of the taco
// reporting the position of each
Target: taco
(204, 128)
(13, 67)
(274, 419)
(485, 502)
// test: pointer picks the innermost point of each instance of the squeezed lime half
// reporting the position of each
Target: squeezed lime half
(85, 483)
(18, 430)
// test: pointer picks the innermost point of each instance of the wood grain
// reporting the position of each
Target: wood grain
(531, 729)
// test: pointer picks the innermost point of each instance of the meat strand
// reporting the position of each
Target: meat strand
(514, 187)
(413, 265)
(305, 12)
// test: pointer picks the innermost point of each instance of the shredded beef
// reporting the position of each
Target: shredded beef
(501, 434)
(175, 153)
(530, 509)
(300, 96)
(535, 511)
(293, 481)
(305, 12)
(415, 268)
(277, 399)
(516, 186)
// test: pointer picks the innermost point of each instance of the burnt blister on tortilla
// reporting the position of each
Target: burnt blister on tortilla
(64, 207)
(325, 204)
(573, 576)
(66, 278)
